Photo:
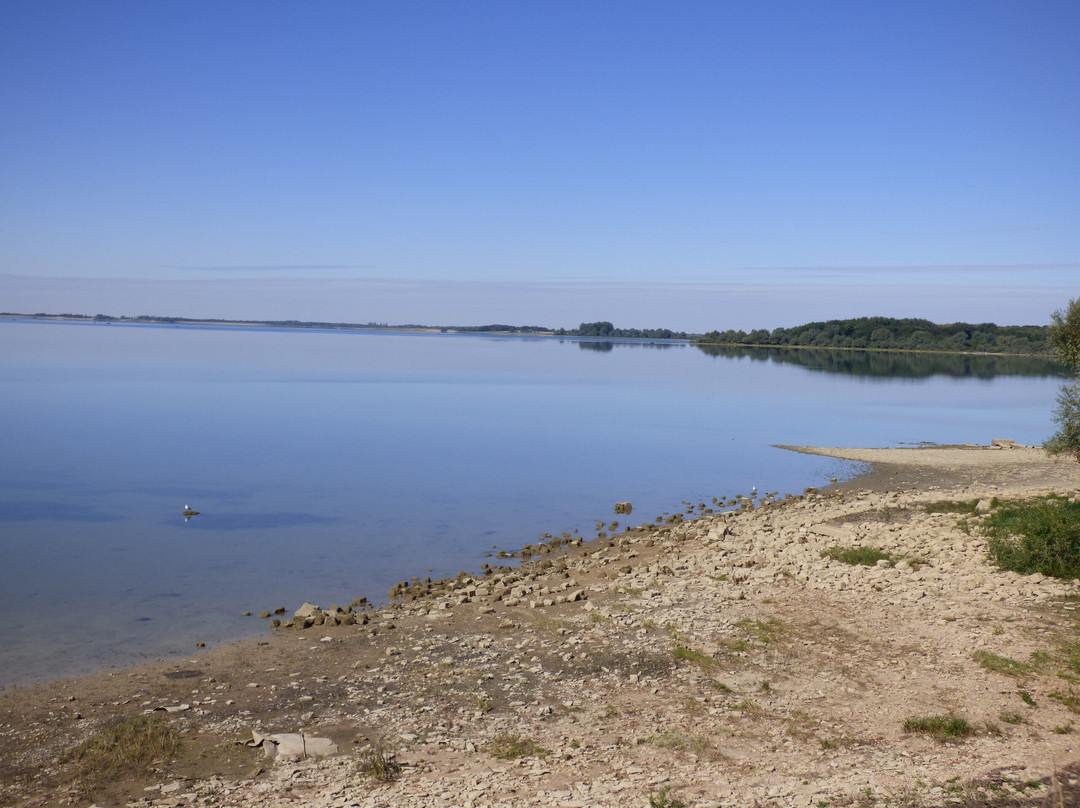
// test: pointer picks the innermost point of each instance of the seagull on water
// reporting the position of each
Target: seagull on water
(188, 513)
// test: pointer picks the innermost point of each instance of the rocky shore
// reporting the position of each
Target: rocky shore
(711, 660)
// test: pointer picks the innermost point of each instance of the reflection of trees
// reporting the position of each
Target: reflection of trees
(894, 363)
(608, 345)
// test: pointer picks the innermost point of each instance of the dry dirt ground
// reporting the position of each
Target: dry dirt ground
(714, 659)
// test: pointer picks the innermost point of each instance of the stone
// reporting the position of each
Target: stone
(292, 746)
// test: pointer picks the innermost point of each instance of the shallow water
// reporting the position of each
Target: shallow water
(327, 465)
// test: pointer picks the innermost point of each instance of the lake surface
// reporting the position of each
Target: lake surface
(328, 465)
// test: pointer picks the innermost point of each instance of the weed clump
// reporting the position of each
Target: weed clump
(380, 765)
(944, 728)
(510, 747)
(965, 506)
(663, 799)
(124, 748)
(866, 556)
(1001, 664)
(1041, 535)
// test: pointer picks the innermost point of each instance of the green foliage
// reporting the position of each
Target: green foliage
(944, 728)
(889, 333)
(1066, 415)
(1064, 338)
(1064, 333)
(866, 556)
(1040, 535)
(602, 328)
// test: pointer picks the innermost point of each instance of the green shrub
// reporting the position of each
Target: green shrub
(1041, 535)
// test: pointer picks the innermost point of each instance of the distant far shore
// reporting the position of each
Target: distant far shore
(597, 331)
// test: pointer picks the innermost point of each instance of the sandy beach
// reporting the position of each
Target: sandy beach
(709, 660)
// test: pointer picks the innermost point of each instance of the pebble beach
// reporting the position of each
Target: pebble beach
(710, 659)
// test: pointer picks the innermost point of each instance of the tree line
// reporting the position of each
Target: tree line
(602, 328)
(889, 333)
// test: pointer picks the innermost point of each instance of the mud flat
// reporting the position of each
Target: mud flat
(716, 660)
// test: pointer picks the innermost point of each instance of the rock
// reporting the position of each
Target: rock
(293, 746)
(623, 507)
(307, 610)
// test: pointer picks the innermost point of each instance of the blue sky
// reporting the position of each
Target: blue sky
(693, 165)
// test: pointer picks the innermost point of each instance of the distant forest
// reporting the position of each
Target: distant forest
(887, 333)
(602, 329)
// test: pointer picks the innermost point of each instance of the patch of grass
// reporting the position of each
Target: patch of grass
(865, 556)
(124, 748)
(1065, 729)
(944, 728)
(1012, 718)
(1001, 664)
(749, 708)
(841, 742)
(1037, 535)
(663, 799)
(1070, 655)
(963, 506)
(679, 741)
(764, 631)
(508, 746)
(1027, 698)
(1070, 699)
(379, 765)
(682, 653)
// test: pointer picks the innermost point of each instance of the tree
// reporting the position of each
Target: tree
(1064, 337)
(1067, 417)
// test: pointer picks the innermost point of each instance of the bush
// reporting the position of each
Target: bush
(1036, 536)
(1067, 417)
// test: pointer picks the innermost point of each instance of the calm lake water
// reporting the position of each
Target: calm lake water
(328, 465)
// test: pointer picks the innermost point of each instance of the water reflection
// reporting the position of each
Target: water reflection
(604, 346)
(895, 364)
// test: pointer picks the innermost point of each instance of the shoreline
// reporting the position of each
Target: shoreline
(721, 657)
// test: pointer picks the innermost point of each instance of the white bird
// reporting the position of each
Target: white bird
(188, 513)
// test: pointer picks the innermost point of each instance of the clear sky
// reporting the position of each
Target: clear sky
(693, 165)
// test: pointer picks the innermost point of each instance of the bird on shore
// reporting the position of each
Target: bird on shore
(188, 513)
